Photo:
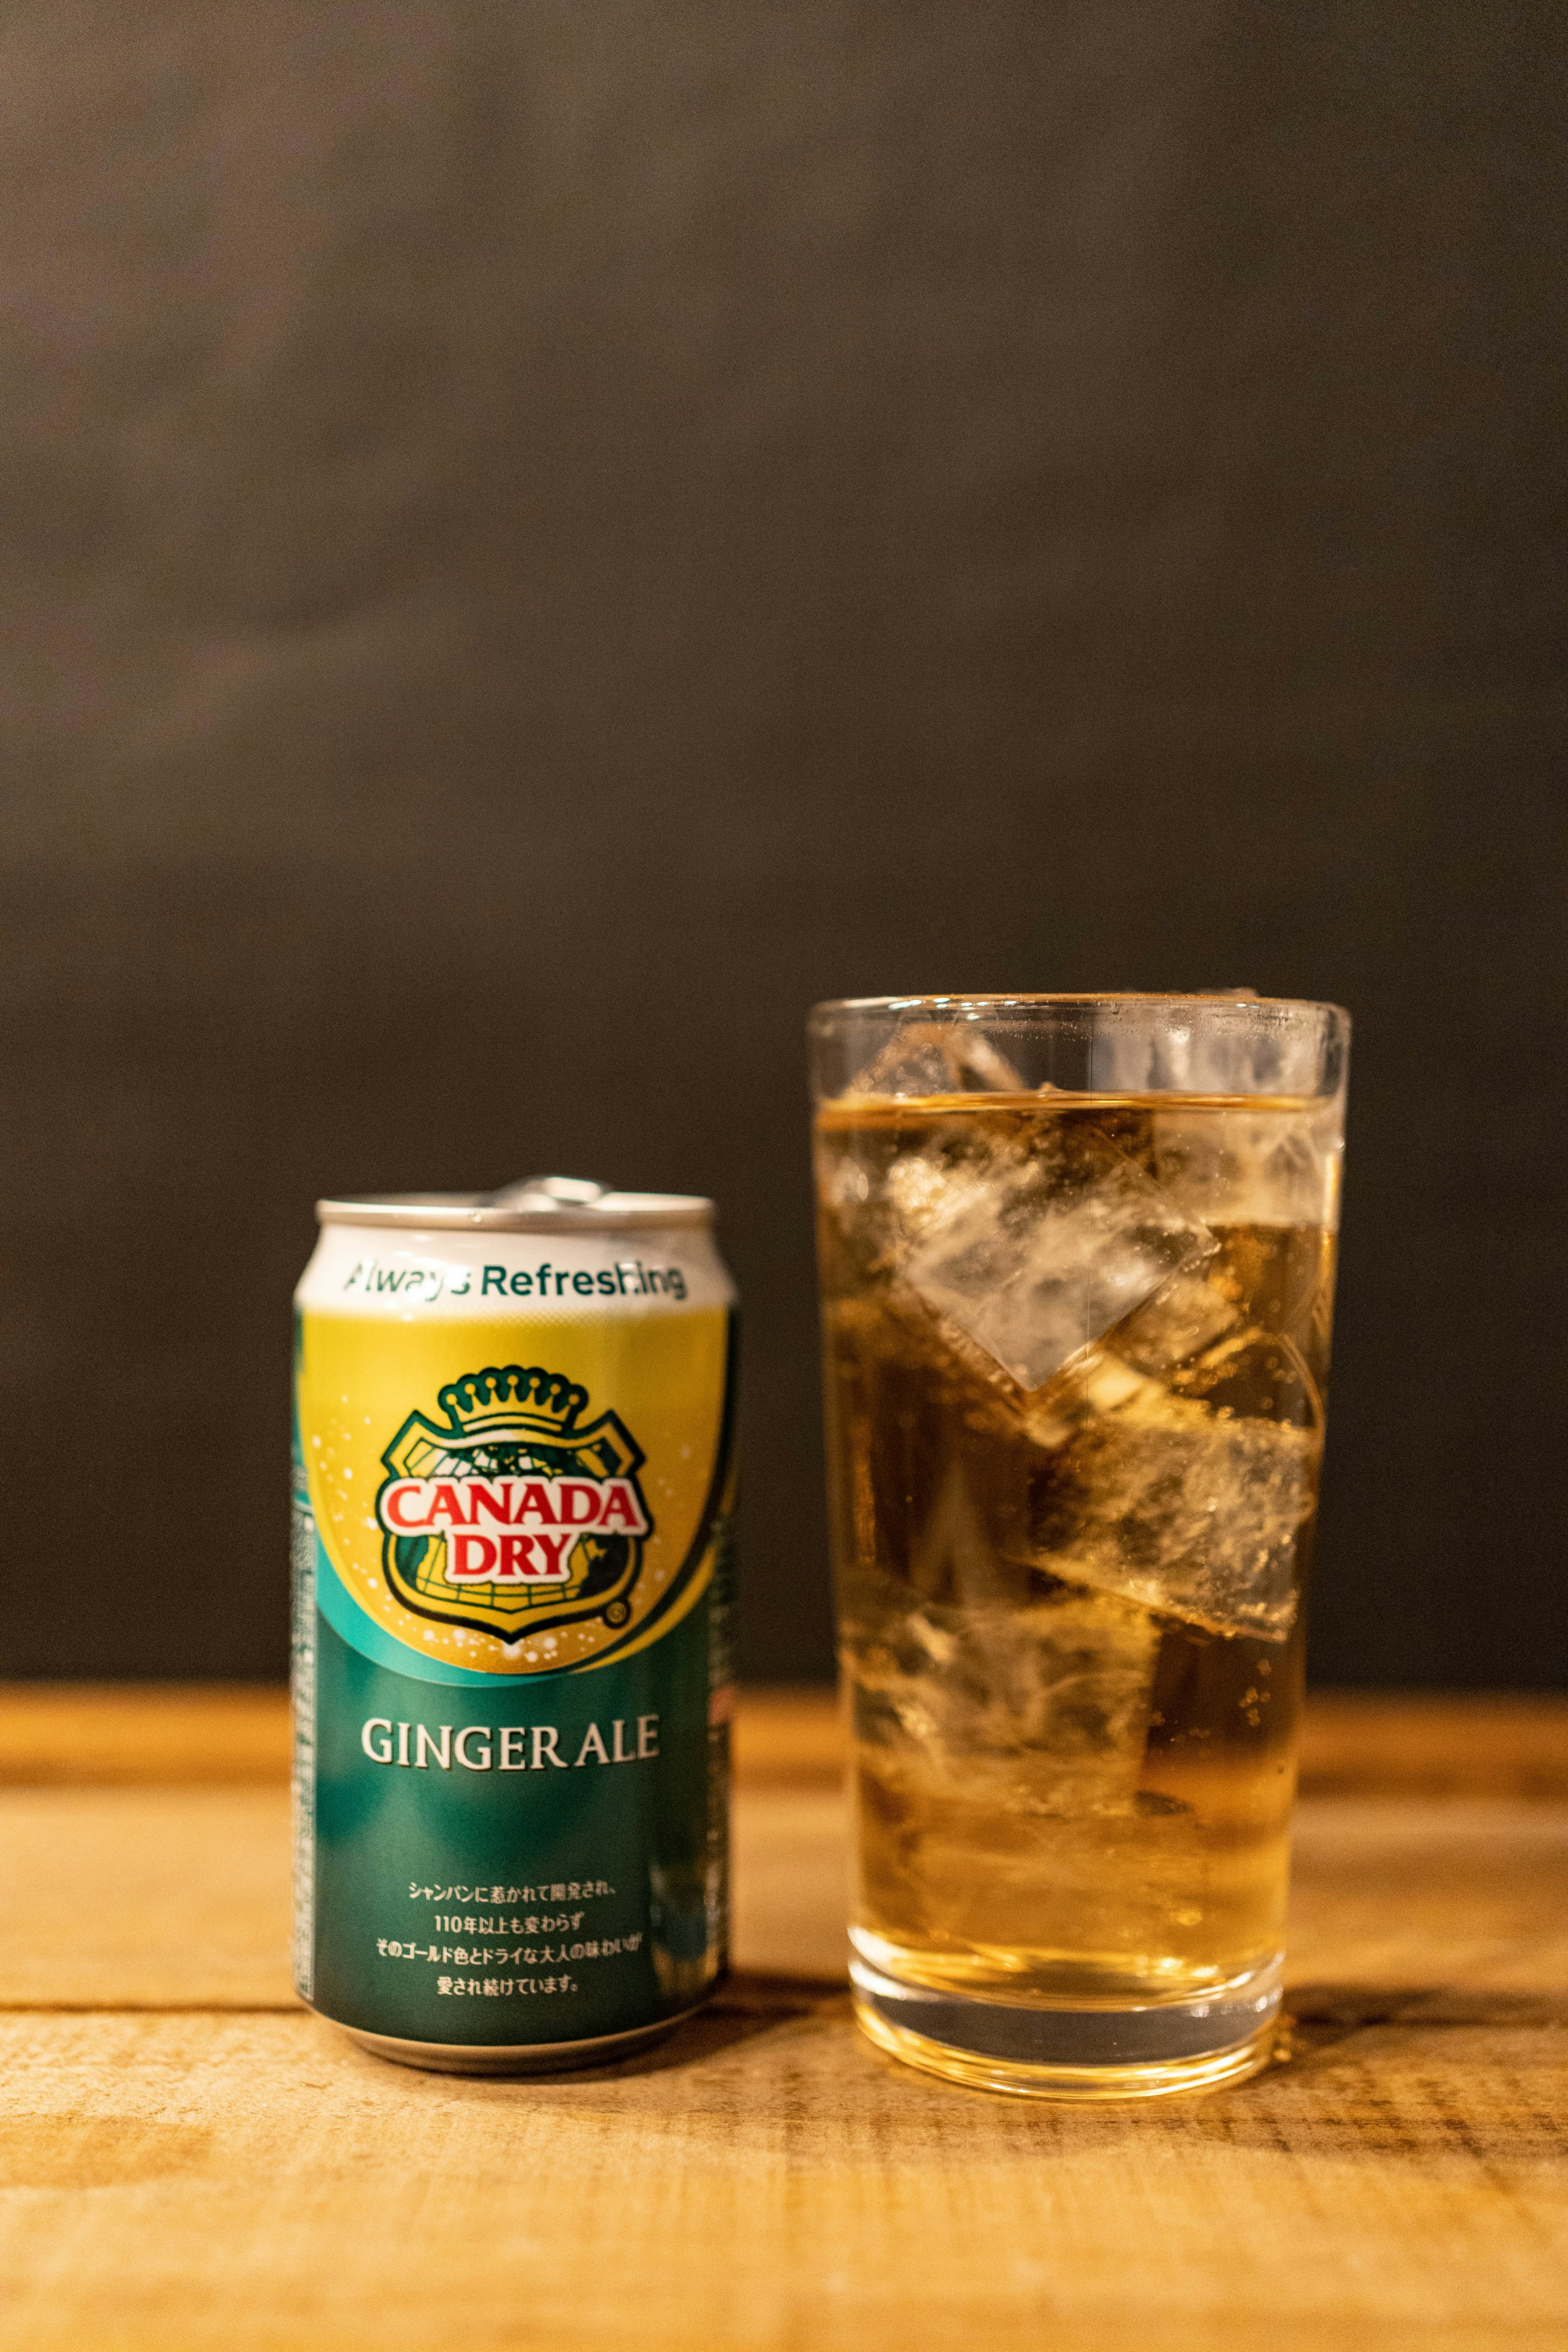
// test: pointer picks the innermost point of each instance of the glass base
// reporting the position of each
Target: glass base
(1125, 2051)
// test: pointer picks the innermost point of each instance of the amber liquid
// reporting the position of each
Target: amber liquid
(1070, 1605)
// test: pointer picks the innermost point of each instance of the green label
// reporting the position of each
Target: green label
(495, 1854)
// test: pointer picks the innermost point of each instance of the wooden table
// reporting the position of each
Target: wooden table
(189, 2159)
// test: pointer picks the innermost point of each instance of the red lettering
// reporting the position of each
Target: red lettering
(621, 1504)
(555, 1569)
(393, 1511)
(418, 1506)
(470, 1558)
(514, 1556)
(446, 1508)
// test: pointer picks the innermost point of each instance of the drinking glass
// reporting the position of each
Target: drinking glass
(1077, 1260)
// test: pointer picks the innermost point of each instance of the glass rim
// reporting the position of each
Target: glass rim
(980, 1002)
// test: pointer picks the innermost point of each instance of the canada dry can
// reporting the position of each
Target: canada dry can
(513, 1482)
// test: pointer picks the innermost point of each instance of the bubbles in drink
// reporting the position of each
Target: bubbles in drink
(1075, 1351)
(1045, 1706)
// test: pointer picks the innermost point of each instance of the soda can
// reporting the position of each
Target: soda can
(513, 1491)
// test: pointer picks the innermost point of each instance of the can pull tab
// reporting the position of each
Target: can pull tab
(535, 1192)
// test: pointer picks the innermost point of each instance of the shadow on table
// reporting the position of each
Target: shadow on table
(1320, 2016)
(746, 2006)
(1322, 2020)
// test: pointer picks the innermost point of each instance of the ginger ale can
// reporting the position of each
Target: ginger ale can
(512, 1496)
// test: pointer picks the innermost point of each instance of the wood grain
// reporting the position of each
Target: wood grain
(187, 2156)
(1419, 1744)
(178, 1898)
(139, 1898)
(194, 1734)
(768, 2182)
(97, 1734)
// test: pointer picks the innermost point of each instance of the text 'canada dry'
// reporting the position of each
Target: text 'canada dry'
(513, 1481)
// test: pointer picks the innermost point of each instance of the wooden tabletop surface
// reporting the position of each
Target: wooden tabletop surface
(187, 2159)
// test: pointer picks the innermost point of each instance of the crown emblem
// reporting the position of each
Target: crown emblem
(513, 1515)
(525, 1398)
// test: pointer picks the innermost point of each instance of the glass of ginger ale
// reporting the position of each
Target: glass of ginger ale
(1077, 1260)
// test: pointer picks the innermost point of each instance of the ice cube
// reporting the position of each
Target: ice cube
(1047, 1706)
(1267, 1166)
(925, 1187)
(1188, 1506)
(938, 1057)
(1188, 1314)
(1036, 1252)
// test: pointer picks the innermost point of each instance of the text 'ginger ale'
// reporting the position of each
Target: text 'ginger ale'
(513, 1481)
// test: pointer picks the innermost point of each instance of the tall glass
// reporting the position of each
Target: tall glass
(1077, 1258)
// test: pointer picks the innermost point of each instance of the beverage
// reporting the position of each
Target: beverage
(1075, 1348)
(513, 1481)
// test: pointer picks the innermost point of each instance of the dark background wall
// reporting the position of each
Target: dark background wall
(537, 538)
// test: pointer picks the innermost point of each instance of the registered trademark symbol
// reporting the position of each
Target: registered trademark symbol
(617, 1613)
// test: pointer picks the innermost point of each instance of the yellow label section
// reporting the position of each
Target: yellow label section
(512, 1496)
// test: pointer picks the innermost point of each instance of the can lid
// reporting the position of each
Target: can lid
(535, 1205)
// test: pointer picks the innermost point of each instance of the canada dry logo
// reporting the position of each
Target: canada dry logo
(510, 1517)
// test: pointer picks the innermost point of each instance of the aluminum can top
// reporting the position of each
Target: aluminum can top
(554, 1246)
(536, 1204)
